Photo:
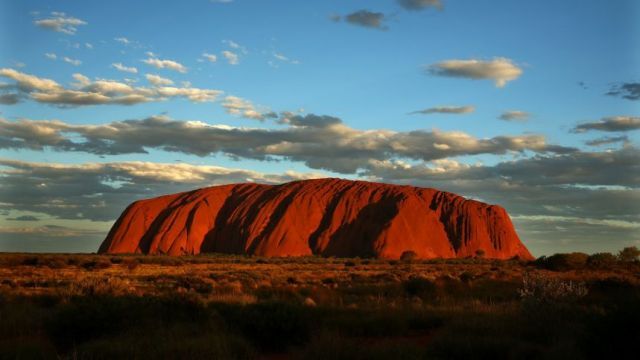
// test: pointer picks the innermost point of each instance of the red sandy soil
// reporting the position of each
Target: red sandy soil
(328, 217)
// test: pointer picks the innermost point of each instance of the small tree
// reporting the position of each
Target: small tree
(480, 253)
(602, 260)
(630, 253)
(408, 255)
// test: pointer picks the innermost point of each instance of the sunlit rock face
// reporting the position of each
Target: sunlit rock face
(328, 217)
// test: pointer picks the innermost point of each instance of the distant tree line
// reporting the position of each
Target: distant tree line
(577, 260)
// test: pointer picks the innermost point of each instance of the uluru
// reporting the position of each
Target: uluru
(325, 217)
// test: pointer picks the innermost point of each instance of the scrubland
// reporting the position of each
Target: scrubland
(235, 307)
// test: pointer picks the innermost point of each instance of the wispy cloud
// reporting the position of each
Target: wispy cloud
(281, 57)
(123, 40)
(165, 64)
(74, 62)
(612, 124)
(234, 45)
(629, 90)
(158, 80)
(128, 69)
(99, 92)
(210, 57)
(446, 110)
(232, 58)
(24, 218)
(606, 140)
(514, 115)
(61, 22)
(416, 5)
(242, 107)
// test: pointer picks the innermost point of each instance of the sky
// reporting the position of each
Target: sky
(532, 105)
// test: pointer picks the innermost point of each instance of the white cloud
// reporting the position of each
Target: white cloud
(500, 70)
(101, 91)
(51, 56)
(128, 69)
(165, 64)
(210, 57)
(158, 80)
(231, 57)
(60, 22)
(235, 45)
(123, 40)
(242, 107)
(284, 58)
(28, 82)
(74, 62)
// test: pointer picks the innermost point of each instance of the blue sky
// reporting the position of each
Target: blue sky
(312, 58)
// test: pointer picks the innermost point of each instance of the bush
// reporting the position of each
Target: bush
(549, 290)
(272, 326)
(99, 286)
(194, 283)
(30, 261)
(96, 264)
(408, 255)
(421, 287)
(480, 253)
(132, 264)
(629, 254)
(563, 262)
(601, 260)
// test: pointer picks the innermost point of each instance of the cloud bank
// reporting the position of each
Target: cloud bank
(320, 142)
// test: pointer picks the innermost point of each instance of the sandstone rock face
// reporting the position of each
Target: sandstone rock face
(329, 217)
